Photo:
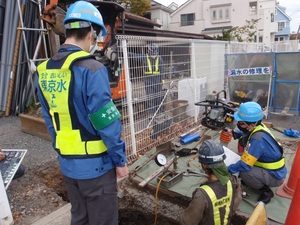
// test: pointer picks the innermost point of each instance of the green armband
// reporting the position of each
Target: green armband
(105, 116)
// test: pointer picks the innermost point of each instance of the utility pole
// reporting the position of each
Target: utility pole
(297, 35)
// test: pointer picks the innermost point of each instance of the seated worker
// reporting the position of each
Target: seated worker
(262, 164)
(216, 200)
(21, 170)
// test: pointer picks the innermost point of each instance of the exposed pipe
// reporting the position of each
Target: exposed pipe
(13, 75)
(11, 22)
(298, 32)
(4, 53)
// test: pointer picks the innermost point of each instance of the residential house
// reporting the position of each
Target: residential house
(155, 23)
(161, 14)
(283, 21)
(211, 17)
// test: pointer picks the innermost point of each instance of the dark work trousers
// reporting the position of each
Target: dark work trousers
(93, 201)
(20, 172)
(153, 87)
(257, 177)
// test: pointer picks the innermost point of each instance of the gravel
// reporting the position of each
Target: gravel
(31, 197)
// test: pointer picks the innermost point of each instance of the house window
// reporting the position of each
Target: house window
(253, 8)
(227, 14)
(220, 14)
(279, 39)
(187, 19)
(214, 15)
(281, 25)
(272, 17)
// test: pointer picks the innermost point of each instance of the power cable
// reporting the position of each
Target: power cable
(156, 197)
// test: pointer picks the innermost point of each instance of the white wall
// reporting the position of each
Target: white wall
(192, 6)
(162, 16)
(239, 13)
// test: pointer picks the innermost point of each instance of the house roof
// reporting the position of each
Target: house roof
(132, 29)
(139, 20)
(180, 7)
(156, 5)
(138, 25)
(280, 8)
(218, 28)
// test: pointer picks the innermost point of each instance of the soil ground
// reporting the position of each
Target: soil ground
(41, 191)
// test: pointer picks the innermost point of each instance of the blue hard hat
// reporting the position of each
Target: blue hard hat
(84, 11)
(249, 112)
(212, 154)
(153, 49)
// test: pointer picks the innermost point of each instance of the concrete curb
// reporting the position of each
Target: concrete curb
(62, 216)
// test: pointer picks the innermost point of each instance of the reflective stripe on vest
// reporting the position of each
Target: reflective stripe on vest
(157, 72)
(55, 85)
(267, 165)
(219, 203)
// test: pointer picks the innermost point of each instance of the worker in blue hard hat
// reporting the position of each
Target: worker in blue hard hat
(74, 92)
(262, 163)
(215, 201)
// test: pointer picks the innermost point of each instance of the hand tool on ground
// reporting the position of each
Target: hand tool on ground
(189, 172)
(281, 130)
(160, 170)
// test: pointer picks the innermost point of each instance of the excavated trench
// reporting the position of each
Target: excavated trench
(135, 207)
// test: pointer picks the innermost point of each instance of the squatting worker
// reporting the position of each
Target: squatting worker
(216, 200)
(84, 124)
(262, 164)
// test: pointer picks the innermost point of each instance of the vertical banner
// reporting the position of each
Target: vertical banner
(251, 84)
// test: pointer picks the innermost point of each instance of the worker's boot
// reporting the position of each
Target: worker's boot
(265, 195)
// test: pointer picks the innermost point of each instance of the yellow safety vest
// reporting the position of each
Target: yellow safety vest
(247, 158)
(156, 71)
(217, 204)
(56, 85)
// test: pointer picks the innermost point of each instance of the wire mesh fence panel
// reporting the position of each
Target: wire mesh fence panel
(276, 46)
(164, 78)
(282, 96)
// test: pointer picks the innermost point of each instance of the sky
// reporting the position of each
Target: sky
(292, 10)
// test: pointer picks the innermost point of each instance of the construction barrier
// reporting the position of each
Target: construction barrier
(287, 189)
(293, 213)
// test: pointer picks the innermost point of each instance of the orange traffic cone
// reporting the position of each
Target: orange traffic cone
(287, 189)
(293, 213)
